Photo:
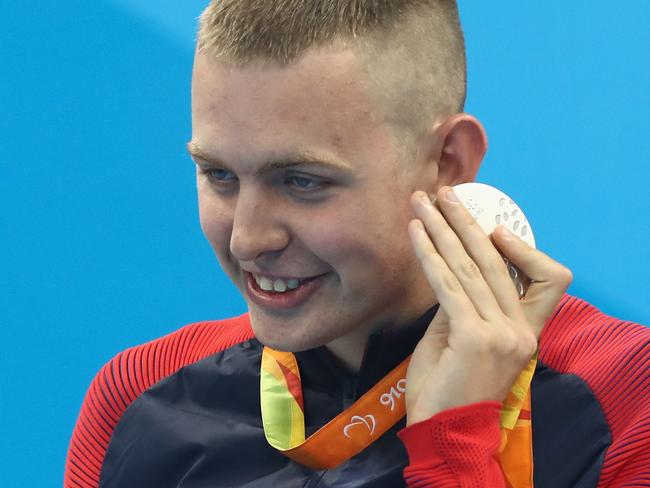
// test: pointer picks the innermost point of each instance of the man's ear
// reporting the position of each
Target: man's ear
(457, 146)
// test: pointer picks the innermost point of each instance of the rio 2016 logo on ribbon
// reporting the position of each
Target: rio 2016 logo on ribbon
(368, 420)
(388, 399)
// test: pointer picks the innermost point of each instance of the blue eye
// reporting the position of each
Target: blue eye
(303, 183)
(220, 175)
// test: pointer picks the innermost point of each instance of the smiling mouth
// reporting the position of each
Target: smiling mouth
(281, 293)
(277, 285)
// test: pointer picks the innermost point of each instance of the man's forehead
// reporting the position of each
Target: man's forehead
(284, 118)
(321, 74)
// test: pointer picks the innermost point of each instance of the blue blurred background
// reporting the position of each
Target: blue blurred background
(101, 247)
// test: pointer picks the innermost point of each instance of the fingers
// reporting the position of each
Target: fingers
(470, 256)
(467, 272)
(550, 279)
(445, 284)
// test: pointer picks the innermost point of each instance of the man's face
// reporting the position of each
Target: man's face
(301, 188)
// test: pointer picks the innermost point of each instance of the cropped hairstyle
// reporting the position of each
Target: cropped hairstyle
(411, 51)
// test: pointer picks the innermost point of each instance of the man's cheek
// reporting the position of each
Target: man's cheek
(350, 254)
(208, 227)
(215, 224)
(217, 232)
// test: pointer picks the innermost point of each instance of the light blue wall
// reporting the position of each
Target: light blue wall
(100, 240)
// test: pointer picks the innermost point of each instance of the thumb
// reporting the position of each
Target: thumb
(549, 279)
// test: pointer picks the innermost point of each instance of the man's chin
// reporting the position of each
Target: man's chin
(285, 335)
(282, 342)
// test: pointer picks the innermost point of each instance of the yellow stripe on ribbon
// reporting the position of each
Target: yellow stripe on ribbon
(282, 416)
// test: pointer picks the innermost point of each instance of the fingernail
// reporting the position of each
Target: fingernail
(424, 198)
(450, 196)
(507, 233)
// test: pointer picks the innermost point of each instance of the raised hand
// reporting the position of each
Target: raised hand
(483, 335)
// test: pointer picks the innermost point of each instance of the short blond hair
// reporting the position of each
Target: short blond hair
(412, 51)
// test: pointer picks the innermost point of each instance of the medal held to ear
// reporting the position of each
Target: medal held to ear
(490, 207)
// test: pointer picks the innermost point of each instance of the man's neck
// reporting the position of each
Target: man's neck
(350, 349)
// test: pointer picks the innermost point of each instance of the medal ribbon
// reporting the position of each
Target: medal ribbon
(371, 415)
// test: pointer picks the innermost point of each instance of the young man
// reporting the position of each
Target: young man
(321, 133)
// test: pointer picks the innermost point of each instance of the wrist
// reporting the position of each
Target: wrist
(422, 414)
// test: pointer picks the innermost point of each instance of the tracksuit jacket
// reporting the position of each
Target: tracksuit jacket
(184, 411)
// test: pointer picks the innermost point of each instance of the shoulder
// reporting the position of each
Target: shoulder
(131, 372)
(612, 357)
(579, 337)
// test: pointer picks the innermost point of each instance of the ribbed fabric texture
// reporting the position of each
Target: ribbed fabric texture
(613, 358)
(129, 374)
(455, 448)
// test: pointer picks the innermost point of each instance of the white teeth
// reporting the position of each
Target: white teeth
(279, 285)
(265, 284)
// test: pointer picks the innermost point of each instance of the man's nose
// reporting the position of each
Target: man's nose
(256, 228)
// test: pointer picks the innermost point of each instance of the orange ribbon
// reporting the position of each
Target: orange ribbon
(372, 415)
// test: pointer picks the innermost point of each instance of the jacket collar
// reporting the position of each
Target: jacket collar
(386, 348)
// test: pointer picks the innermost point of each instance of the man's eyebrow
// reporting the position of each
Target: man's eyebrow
(298, 159)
